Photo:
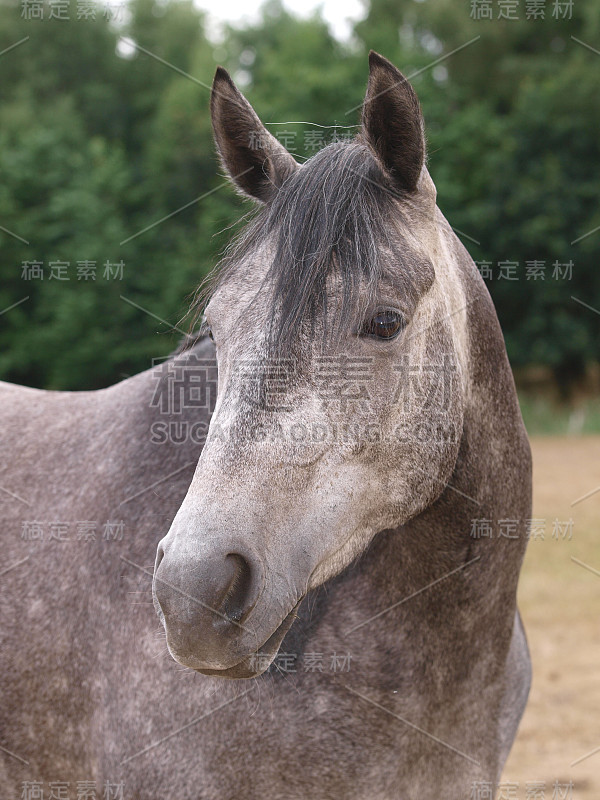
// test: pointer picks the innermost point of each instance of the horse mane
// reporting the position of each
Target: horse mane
(330, 218)
(187, 343)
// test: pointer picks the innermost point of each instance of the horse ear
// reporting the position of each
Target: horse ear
(256, 162)
(392, 123)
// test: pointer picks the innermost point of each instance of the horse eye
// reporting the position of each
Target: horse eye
(386, 324)
(206, 330)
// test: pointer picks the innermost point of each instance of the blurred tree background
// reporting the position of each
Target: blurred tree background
(105, 131)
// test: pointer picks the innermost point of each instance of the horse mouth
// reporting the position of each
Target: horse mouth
(255, 664)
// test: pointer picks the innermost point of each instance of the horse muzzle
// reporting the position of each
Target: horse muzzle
(209, 602)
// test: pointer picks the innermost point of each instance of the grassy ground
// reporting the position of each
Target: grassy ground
(560, 604)
(545, 417)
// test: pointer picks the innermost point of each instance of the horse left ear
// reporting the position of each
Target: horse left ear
(255, 160)
(392, 123)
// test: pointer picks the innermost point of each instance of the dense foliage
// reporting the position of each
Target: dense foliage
(99, 141)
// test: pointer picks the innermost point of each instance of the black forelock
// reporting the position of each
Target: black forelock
(332, 217)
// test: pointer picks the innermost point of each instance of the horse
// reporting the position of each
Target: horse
(310, 496)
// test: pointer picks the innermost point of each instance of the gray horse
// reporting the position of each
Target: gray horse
(353, 528)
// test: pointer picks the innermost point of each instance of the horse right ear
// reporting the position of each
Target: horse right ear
(256, 162)
(392, 123)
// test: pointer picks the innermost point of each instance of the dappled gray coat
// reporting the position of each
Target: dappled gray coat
(343, 577)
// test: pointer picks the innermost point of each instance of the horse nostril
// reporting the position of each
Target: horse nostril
(236, 600)
(205, 598)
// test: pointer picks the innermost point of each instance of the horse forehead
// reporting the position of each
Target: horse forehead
(249, 286)
(243, 282)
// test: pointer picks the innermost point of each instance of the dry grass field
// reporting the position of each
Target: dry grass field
(560, 605)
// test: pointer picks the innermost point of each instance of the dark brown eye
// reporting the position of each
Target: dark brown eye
(386, 324)
(205, 329)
